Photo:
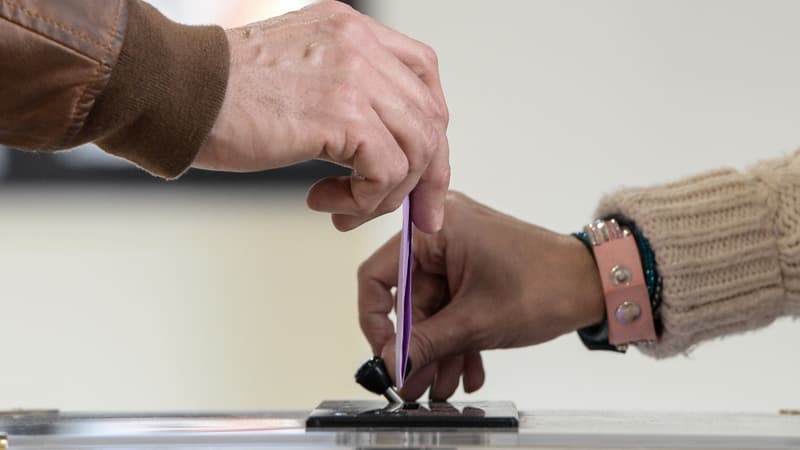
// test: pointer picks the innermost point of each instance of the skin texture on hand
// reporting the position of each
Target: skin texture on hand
(485, 281)
(329, 83)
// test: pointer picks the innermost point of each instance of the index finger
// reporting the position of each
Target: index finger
(376, 278)
(430, 192)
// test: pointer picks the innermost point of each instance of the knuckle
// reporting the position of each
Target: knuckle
(349, 94)
(390, 206)
(397, 172)
(395, 205)
(420, 155)
(430, 58)
(354, 65)
(349, 26)
(478, 334)
(441, 180)
(332, 6)
(365, 206)
(350, 103)
(453, 199)
(432, 137)
(365, 324)
(471, 325)
(367, 327)
(444, 115)
(363, 271)
(416, 164)
(425, 350)
(392, 174)
(437, 111)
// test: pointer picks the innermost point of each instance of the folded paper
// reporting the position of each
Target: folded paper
(403, 307)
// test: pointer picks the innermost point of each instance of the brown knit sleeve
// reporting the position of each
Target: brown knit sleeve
(727, 245)
(164, 93)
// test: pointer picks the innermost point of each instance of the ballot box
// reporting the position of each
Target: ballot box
(286, 429)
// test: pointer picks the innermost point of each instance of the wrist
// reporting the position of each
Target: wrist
(211, 155)
(588, 303)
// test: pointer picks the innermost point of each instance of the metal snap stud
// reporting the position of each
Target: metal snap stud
(627, 312)
(620, 275)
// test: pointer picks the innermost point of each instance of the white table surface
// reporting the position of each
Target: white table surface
(286, 429)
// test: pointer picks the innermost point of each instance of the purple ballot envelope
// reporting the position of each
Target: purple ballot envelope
(403, 297)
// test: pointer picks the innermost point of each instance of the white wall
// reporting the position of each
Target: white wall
(228, 299)
(204, 299)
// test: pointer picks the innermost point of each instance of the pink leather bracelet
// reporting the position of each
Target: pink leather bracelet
(630, 316)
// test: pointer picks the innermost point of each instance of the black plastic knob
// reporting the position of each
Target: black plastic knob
(374, 376)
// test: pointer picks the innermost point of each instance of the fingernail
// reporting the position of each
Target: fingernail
(439, 220)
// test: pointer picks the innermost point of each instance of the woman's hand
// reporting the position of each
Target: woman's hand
(485, 281)
(329, 83)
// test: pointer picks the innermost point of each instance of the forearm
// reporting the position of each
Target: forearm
(727, 248)
(116, 73)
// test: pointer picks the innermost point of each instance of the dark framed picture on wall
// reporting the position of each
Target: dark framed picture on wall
(87, 164)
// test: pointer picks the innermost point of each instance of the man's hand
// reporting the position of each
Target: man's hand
(485, 281)
(327, 82)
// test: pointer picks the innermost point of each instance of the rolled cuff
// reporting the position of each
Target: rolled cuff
(164, 94)
(717, 252)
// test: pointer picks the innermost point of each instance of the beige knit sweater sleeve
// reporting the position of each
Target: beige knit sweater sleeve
(727, 245)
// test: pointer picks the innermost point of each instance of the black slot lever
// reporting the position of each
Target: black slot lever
(374, 377)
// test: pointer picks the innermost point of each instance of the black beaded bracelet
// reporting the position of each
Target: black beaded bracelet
(595, 337)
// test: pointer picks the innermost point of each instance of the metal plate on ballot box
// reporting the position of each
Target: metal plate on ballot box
(377, 414)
